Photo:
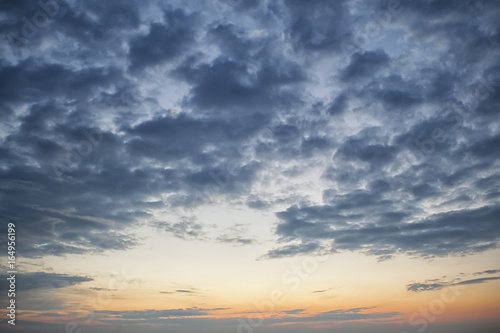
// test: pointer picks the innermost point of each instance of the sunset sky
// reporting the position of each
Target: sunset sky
(241, 166)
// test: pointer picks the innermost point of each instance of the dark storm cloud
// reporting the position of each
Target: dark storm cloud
(116, 112)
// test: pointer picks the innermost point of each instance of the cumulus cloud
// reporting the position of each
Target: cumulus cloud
(137, 110)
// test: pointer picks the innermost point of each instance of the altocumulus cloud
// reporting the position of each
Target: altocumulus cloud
(143, 107)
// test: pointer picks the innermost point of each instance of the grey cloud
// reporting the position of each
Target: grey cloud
(398, 94)
(238, 102)
(27, 81)
(293, 250)
(42, 280)
(228, 85)
(155, 314)
(481, 280)
(420, 287)
(338, 106)
(257, 204)
(442, 234)
(236, 235)
(163, 41)
(183, 316)
(313, 144)
(236, 42)
(194, 104)
(364, 64)
(488, 271)
(317, 26)
(183, 230)
(235, 240)
(340, 315)
(375, 154)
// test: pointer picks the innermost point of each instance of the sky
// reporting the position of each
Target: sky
(244, 166)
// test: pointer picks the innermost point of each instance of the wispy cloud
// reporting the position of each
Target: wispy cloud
(439, 284)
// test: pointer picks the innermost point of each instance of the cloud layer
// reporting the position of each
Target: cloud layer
(362, 129)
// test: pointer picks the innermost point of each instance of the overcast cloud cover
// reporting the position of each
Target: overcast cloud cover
(366, 126)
